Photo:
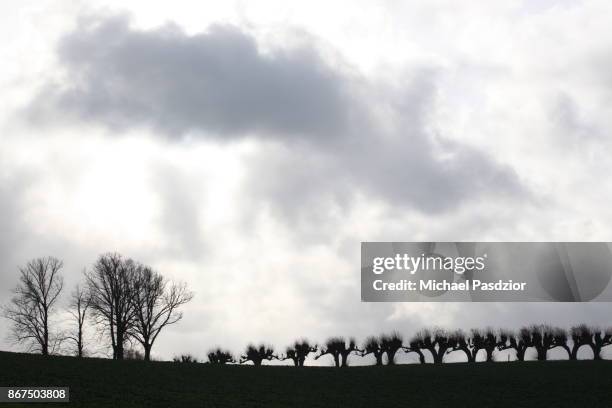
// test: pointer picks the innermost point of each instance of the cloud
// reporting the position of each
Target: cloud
(218, 81)
(333, 133)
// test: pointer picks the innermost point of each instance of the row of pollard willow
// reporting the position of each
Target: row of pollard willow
(437, 343)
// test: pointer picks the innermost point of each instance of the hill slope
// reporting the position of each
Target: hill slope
(106, 383)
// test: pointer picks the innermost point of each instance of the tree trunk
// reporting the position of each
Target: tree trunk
(438, 358)
(391, 357)
(421, 356)
(541, 353)
(520, 354)
(471, 357)
(45, 345)
(596, 352)
(147, 351)
(574, 353)
(336, 360)
(489, 354)
(378, 358)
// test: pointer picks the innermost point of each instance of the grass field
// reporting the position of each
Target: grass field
(106, 383)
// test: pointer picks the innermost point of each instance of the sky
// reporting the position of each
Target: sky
(248, 147)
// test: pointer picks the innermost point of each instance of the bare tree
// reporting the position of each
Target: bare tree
(437, 342)
(79, 303)
(298, 352)
(601, 339)
(339, 350)
(218, 356)
(185, 358)
(520, 342)
(460, 342)
(257, 354)
(544, 338)
(372, 346)
(110, 290)
(33, 304)
(390, 344)
(414, 347)
(541, 337)
(582, 335)
(155, 303)
(478, 339)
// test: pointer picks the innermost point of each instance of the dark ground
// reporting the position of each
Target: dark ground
(106, 383)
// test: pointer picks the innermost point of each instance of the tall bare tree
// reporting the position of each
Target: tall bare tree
(155, 302)
(33, 303)
(110, 291)
(79, 303)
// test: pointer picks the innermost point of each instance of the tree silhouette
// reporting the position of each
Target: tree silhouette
(79, 303)
(436, 341)
(110, 291)
(541, 337)
(460, 342)
(560, 339)
(257, 354)
(582, 335)
(601, 339)
(298, 352)
(544, 337)
(339, 350)
(33, 304)
(155, 302)
(218, 356)
(391, 344)
(372, 346)
(520, 342)
(185, 358)
(414, 347)
(486, 340)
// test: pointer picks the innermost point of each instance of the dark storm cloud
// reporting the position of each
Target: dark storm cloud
(405, 165)
(217, 81)
(334, 134)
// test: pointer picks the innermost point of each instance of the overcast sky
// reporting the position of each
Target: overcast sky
(248, 147)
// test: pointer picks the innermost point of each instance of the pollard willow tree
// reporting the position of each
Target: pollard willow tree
(340, 350)
(155, 303)
(372, 346)
(390, 344)
(220, 357)
(298, 352)
(486, 340)
(33, 304)
(257, 354)
(436, 341)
